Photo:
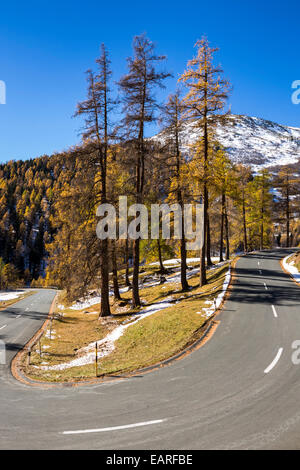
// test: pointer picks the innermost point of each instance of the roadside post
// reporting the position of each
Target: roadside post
(96, 358)
(29, 356)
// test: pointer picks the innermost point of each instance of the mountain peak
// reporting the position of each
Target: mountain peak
(249, 140)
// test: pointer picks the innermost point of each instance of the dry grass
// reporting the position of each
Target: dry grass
(296, 258)
(151, 340)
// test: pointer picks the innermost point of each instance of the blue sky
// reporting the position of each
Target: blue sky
(47, 46)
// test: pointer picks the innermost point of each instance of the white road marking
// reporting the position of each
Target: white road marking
(3, 327)
(26, 309)
(274, 362)
(258, 263)
(265, 286)
(116, 428)
(274, 311)
(18, 316)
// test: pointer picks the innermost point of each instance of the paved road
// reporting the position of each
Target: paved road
(241, 390)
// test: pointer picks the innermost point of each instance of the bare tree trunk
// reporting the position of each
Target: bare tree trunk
(287, 216)
(127, 281)
(262, 228)
(136, 302)
(115, 272)
(262, 211)
(262, 236)
(161, 264)
(140, 173)
(222, 227)
(183, 266)
(245, 226)
(105, 307)
(208, 258)
(227, 234)
(203, 279)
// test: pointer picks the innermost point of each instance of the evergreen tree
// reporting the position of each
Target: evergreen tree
(206, 96)
(172, 119)
(96, 111)
(139, 105)
(287, 185)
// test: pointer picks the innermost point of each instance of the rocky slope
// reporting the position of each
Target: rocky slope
(250, 140)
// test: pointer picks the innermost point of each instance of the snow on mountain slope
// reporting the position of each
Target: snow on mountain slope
(250, 140)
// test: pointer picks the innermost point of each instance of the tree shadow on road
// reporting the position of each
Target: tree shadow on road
(249, 285)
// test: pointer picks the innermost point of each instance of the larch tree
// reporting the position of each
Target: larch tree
(287, 184)
(206, 97)
(118, 179)
(158, 175)
(243, 178)
(259, 213)
(74, 253)
(173, 121)
(96, 109)
(222, 180)
(139, 106)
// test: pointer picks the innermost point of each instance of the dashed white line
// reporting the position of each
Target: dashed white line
(18, 316)
(274, 311)
(274, 362)
(266, 287)
(115, 428)
(3, 327)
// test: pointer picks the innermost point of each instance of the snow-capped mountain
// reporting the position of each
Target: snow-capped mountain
(249, 140)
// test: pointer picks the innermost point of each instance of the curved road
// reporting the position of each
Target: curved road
(241, 390)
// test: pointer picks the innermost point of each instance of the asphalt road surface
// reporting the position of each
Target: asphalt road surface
(241, 390)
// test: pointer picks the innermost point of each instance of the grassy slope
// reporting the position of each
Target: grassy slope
(150, 340)
(296, 258)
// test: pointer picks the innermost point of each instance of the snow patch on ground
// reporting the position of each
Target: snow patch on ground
(107, 344)
(174, 262)
(291, 268)
(11, 295)
(215, 304)
(92, 299)
(52, 336)
(175, 278)
(89, 302)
